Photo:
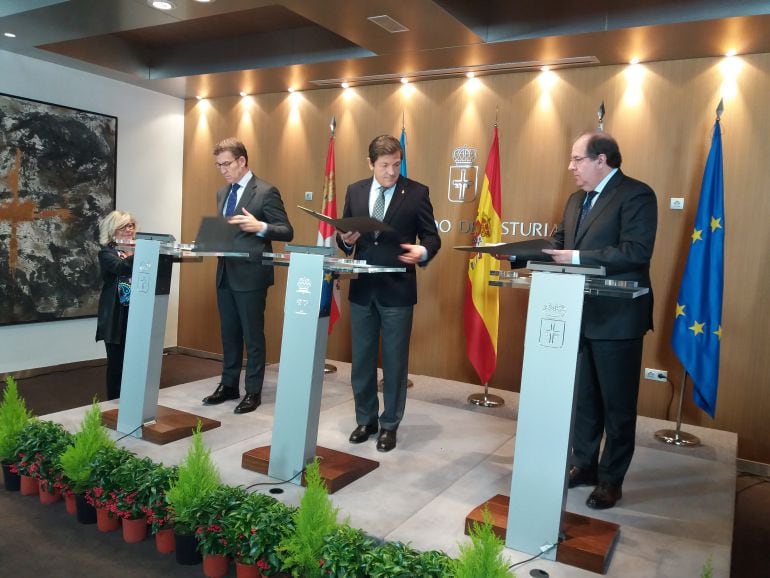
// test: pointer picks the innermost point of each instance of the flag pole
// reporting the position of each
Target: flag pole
(486, 399)
(677, 437)
(329, 367)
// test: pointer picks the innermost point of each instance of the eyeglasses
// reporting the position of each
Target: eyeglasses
(127, 226)
(224, 165)
(576, 160)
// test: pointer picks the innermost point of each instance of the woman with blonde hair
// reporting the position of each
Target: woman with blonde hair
(116, 260)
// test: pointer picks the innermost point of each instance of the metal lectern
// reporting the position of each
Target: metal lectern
(535, 521)
(301, 372)
(138, 413)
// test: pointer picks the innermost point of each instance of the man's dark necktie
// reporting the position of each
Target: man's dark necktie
(586, 208)
(232, 199)
(378, 212)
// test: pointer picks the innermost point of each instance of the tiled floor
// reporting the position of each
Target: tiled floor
(677, 511)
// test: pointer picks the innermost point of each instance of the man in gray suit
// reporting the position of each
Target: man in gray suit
(610, 221)
(256, 207)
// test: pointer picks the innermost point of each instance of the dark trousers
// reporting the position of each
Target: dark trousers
(242, 321)
(115, 353)
(607, 392)
(367, 323)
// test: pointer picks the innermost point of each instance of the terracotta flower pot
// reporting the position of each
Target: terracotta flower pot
(105, 521)
(48, 494)
(135, 529)
(215, 565)
(11, 481)
(164, 541)
(30, 486)
(247, 570)
(70, 503)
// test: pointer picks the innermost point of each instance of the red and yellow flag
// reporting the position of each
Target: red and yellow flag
(330, 294)
(482, 306)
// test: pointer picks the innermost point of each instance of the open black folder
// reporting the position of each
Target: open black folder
(522, 250)
(360, 224)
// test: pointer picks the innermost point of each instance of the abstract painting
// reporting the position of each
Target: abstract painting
(57, 179)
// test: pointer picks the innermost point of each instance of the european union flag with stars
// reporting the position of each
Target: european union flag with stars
(698, 324)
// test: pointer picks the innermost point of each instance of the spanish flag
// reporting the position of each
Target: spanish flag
(482, 306)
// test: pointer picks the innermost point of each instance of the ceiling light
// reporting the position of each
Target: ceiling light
(545, 68)
(634, 61)
(404, 80)
(199, 97)
(731, 52)
(345, 85)
(292, 89)
(470, 74)
(242, 93)
(161, 4)
(9, 35)
(205, 1)
(529, 65)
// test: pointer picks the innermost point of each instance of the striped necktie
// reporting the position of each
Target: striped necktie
(232, 199)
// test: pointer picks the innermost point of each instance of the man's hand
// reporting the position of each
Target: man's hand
(561, 256)
(412, 254)
(349, 238)
(248, 222)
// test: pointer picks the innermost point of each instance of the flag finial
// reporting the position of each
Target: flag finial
(600, 114)
(333, 125)
(720, 109)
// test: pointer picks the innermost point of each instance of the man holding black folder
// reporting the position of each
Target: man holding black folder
(255, 206)
(610, 221)
(382, 304)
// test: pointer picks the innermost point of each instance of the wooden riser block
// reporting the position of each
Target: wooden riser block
(588, 543)
(170, 424)
(337, 469)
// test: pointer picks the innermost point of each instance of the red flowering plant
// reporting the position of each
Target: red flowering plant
(37, 451)
(141, 485)
(214, 515)
(103, 487)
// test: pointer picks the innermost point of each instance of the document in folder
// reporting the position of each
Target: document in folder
(360, 224)
(493, 248)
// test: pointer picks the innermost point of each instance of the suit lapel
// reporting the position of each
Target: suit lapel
(248, 195)
(601, 204)
(398, 198)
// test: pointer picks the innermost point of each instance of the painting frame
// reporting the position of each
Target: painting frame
(58, 178)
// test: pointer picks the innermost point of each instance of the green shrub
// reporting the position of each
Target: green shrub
(13, 417)
(76, 461)
(342, 555)
(197, 477)
(483, 556)
(315, 519)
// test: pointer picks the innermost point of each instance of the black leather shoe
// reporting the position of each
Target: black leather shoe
(604, 496)
(386, 441)
(582, 477)
(221, 393)
(362, 433)
(250, 402)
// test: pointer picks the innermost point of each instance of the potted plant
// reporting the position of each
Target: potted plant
(214, 516)
(255, 530)
(315, 519)
(39, 448)
(391, 559)
(140, 484)
(343, 552)
(483, 556)
(434, 564)
(104, 487)
(156, 507)
(13, 417)
(197, 477)
(76, 460)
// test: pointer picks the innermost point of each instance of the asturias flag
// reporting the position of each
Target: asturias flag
(698, 316)
(481, 310)
(403, 149)
(330, 294)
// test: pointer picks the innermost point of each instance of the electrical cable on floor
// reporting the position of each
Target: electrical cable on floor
(133, 431)
(551, 547)
(302, 471)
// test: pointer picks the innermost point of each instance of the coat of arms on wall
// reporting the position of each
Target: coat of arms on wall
(57, 178)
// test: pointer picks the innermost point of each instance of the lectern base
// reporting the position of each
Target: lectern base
(588, 543)
(677, 438)
(486, 400)
(337, 469)
(170, 424)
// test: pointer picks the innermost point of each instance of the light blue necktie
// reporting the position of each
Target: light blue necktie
(232, 199)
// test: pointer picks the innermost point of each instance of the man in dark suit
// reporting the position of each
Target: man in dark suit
(256, 207)
(383, 303)
(610, 221)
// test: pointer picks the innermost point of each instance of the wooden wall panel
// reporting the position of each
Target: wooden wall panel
(661, 114)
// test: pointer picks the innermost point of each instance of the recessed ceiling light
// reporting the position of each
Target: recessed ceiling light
(292, 89)
(242, 93)
(470, 74)
(345, 85)
(404, 80)
(9, 35)
(731, 52)
(634, 61)
(161, 4)
(199, 97)
(545, 68)
(205, 1)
